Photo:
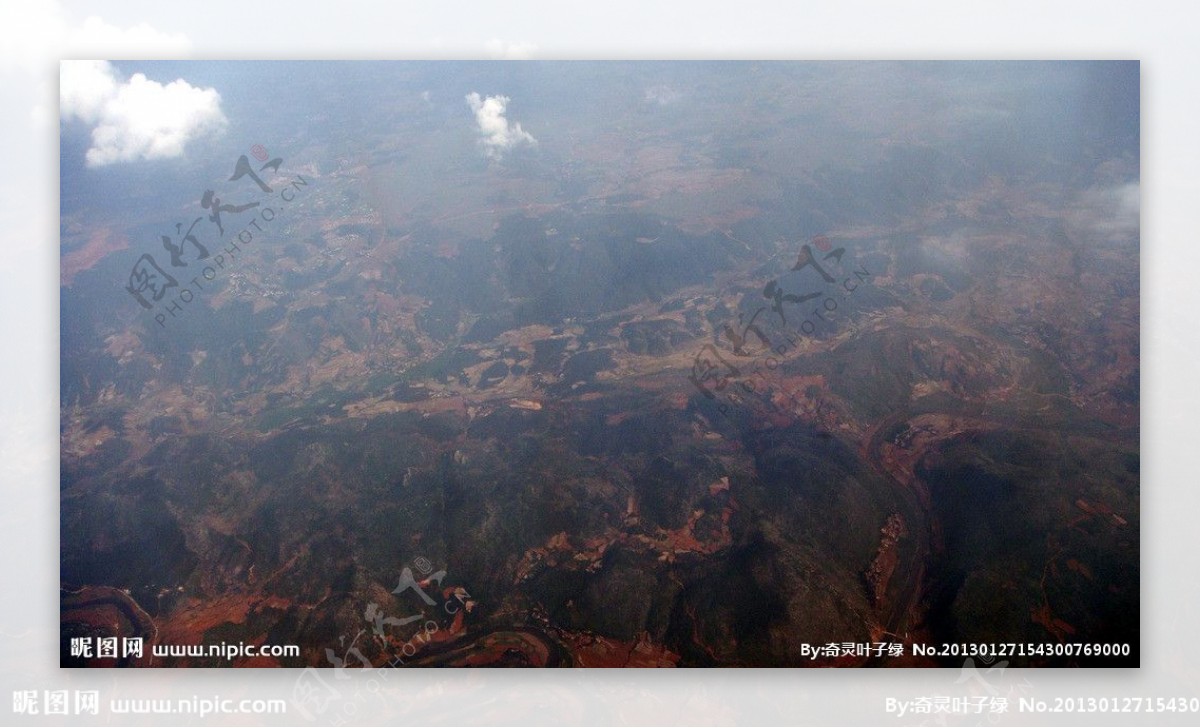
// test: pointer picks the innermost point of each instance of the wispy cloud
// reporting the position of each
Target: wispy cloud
(99, 38)
(662, 95)
(508, 50)
(497, 134)
(1107, 215)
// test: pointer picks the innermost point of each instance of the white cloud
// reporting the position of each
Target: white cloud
(1107, 215)
(97, 38)
(34, 36)
(33, 33)
(662, 95)
(137, 118)
(27, 33)
(84, 88)
(498, 135)
(508, 51)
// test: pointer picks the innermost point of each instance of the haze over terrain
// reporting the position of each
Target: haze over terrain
(620, 364)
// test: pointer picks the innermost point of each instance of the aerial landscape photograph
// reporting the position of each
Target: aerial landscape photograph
(599, 364)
